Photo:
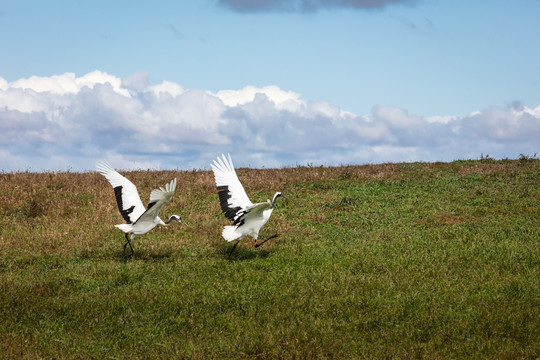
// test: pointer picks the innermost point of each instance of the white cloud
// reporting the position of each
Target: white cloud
(3, 84)
(282, 99)
(167, 87)
(67, 83)
(67, 122)
(441, 119)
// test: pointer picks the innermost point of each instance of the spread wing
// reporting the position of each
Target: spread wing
(158, 199)
(127, 196)
(232, 196)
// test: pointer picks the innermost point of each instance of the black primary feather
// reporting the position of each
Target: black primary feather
(224, 196)
(125, 212)
(150, 204)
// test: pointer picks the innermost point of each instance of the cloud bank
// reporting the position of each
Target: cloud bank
(65, 122)
(306, 5)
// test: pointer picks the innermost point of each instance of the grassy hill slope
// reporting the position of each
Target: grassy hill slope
(415, 260)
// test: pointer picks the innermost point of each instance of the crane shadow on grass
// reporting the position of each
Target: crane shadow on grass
(234, 252)
(146, 255)
(242, 252)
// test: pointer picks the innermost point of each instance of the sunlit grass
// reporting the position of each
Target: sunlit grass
(416, 260)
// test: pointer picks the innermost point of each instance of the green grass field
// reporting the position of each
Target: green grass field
(413, 260)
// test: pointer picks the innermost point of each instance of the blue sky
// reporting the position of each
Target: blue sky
(346, 81)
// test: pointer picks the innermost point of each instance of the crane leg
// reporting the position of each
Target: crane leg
(126, 244)
(234, 247)
(271, 237)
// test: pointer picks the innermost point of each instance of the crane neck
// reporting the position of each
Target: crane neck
(276, 195)
(173, 217)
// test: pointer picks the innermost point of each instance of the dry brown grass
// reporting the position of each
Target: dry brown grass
(65, 212)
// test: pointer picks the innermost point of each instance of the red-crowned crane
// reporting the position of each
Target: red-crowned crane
(248, 218)
(139, 220)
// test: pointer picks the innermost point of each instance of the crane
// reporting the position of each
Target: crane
(139, 220)
(248, 218)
